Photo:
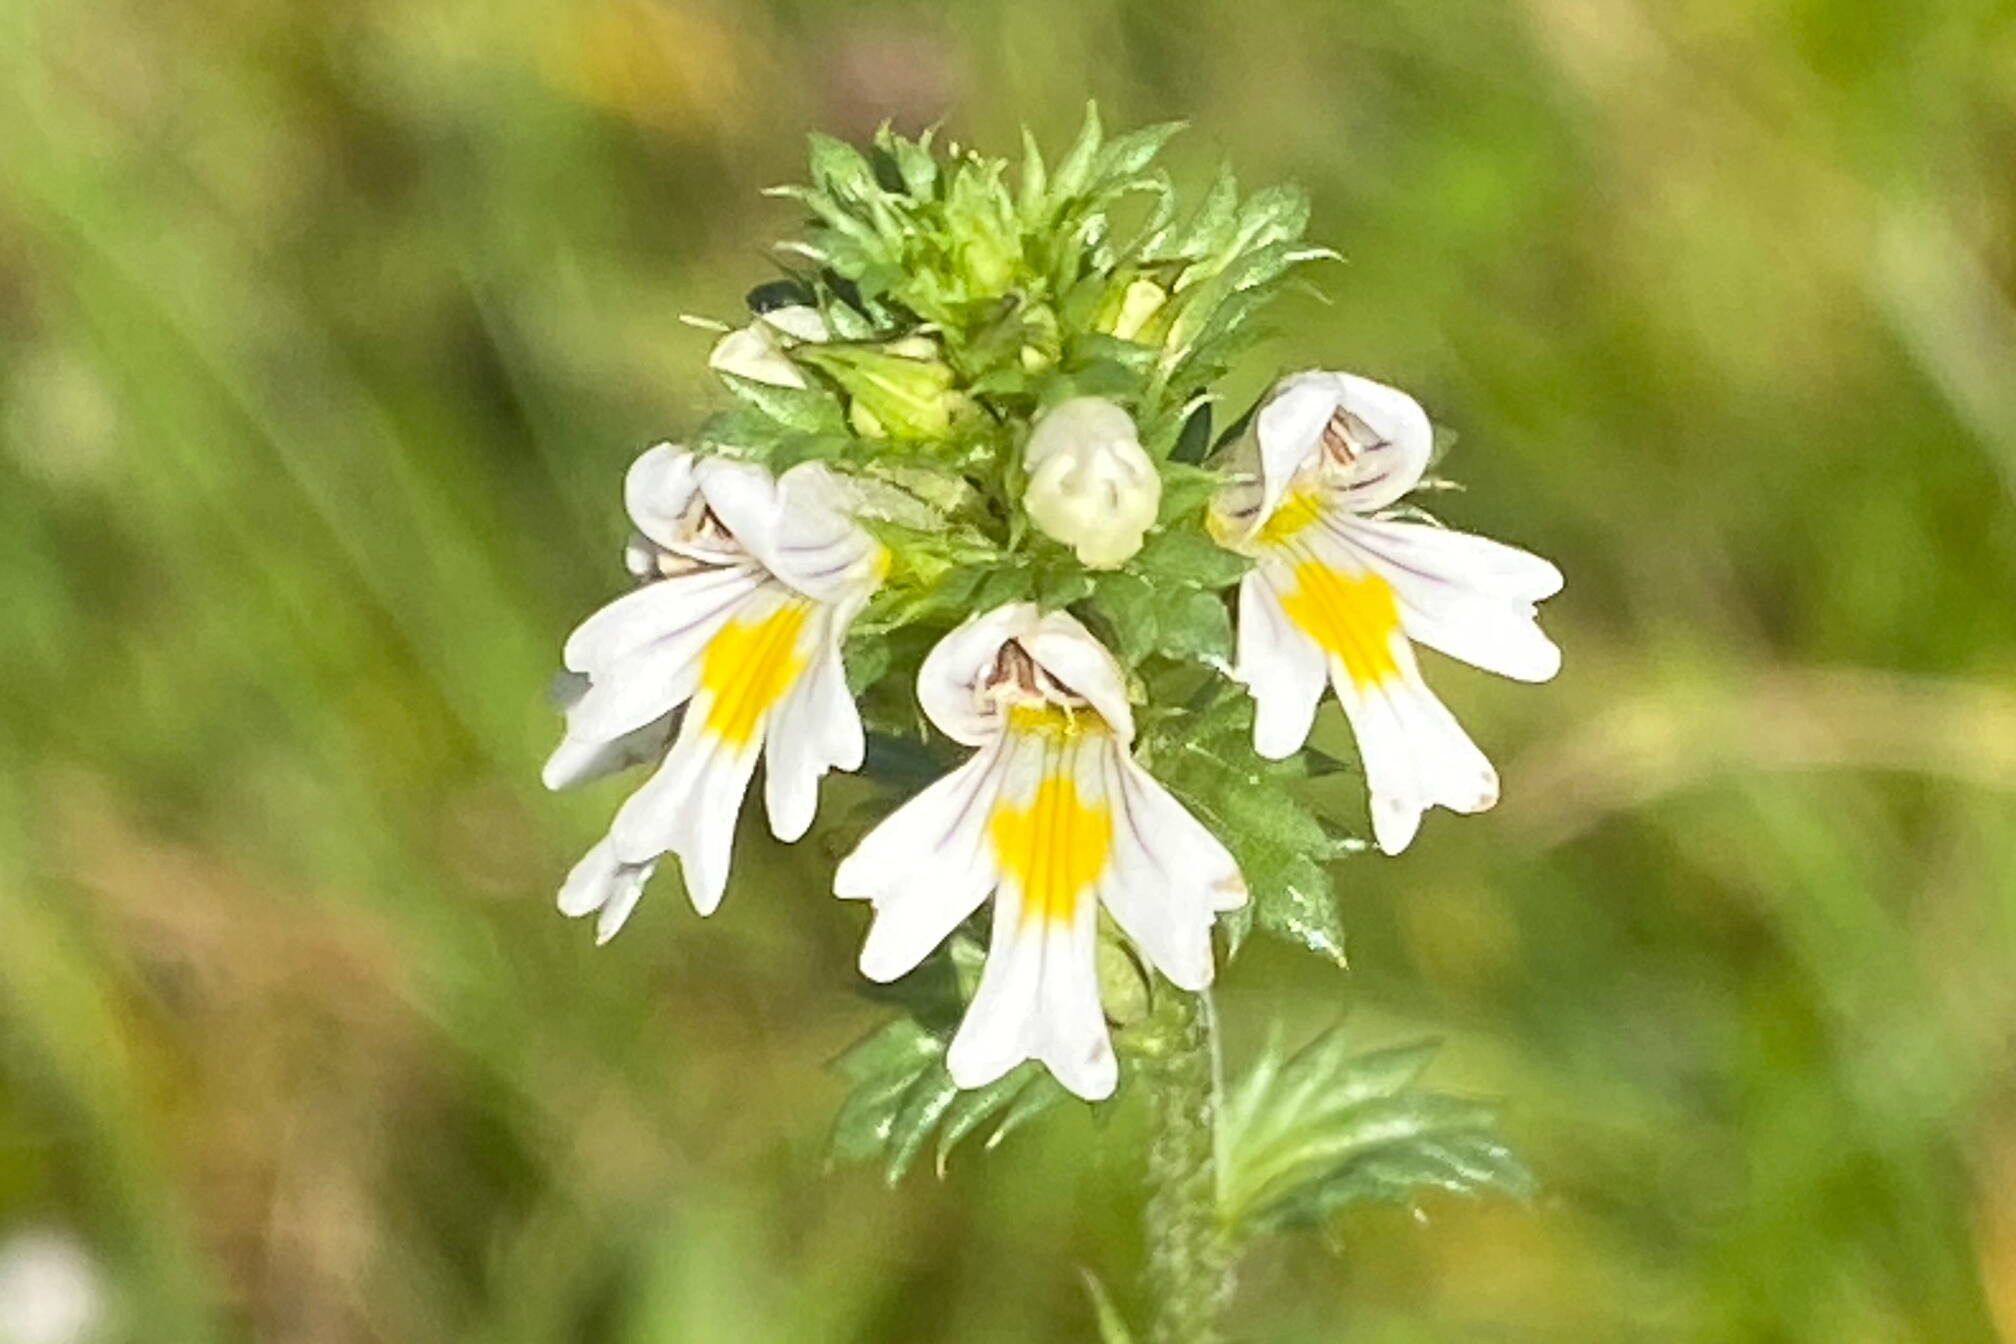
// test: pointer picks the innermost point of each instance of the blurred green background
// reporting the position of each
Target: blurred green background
(325, 334)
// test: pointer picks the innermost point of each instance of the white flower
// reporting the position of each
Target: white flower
(751, 583)
(1338, 593)
(757, 351)
(1053, 817)
(1090, 484)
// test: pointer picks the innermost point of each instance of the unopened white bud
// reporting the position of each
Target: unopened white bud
(1091, 486)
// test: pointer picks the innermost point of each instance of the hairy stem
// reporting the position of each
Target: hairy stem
(1189, 1256)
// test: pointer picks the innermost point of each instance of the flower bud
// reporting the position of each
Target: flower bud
(1091, 486)
(1128, 311)
(900, 390)
(757, 351)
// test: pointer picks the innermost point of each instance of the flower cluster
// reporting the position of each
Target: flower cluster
(969, 500)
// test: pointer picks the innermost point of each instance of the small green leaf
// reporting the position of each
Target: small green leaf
(1326, 1129)
(1130, 153)
(1074, 173)
(1186, 554)
(1196, 625)
(903, 1096)
(1112, 1326)
(804, 409)
(925, 1103)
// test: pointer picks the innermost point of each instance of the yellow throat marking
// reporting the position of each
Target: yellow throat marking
(748, 668)
(1054, 849)
(1352, 617)
(1297, 511)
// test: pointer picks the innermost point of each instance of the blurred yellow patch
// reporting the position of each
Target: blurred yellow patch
(655, 63)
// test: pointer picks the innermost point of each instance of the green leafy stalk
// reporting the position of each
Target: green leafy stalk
(1189, 1253)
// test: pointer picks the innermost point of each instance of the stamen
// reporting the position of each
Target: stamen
(1347, 438)
(1019, 681)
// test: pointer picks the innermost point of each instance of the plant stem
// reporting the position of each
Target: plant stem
(1189, 1256)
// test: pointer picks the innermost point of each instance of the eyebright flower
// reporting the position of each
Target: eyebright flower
(750, 582)
(1339, 592)
(757, 351)
(1052, 817)
(1091, 485)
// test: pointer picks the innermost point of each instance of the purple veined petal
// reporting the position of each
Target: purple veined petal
(1067, 651)
(1168, 876)
(948, 683)
(1280, 666)
(1038, 999)
(1416, 755)
(928, 865)
(688, 808)
(659, 610)
(816, 727)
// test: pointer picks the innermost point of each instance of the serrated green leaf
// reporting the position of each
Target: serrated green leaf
(1302, 909)
(1208, 231)
(903, 1095)
(925, 1103)
(802, 409)
(1034, 183)
(1038, 1097)
(1196, 625)
(1186, 555)
(970, 1110)
(913, 161)
(1124, 604)
(1074, 172)
(898, 1046)
(1129, 154)
(1326, 1129)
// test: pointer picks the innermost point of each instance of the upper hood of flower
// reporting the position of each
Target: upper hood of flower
(718, 511)
(1019, 655)
(1363, 443)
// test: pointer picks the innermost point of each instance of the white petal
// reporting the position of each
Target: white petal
(657, 610)
(1038, 999)
(1068, 652)
(658, 490)
(816, 727)
(956, 663)
(927, 866)
(1288, 428)
(819, 549)
(752, 352)
(616, 913)
(800, 321)
(1167, 876)
(1416, 755)
(578, 760)
(1281, 666)
(1489, 567)
(1467, 596)
(1390, 466)
(689, 808)
(601, 882)
(744, 497)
